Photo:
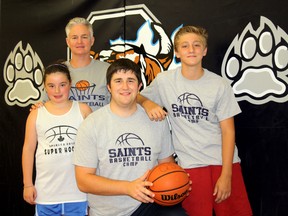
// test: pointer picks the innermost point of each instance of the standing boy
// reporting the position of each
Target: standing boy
(201, 108)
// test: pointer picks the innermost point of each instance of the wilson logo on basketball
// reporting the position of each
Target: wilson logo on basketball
(174, 197)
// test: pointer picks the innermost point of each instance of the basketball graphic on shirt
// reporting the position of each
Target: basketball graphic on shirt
(61, 133)
(82, 85)
(190, 99)
(129, 139)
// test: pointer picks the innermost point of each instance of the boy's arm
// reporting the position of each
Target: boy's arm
(223, 185)
(153, 110)
(89, 182)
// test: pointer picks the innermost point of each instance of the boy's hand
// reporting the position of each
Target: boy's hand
(154, 111)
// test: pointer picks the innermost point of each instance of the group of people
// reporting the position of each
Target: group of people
(93, 156)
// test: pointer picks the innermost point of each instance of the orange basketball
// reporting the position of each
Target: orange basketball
(170, 183)
(82, 85)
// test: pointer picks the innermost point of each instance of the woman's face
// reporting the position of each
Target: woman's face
(79, 40)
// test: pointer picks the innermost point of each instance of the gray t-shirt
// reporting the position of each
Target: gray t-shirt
(120, 148)
(89, 84)
(195, 109)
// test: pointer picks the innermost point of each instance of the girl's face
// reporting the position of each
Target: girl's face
(191, 49)
(79, 40)
(57, 87)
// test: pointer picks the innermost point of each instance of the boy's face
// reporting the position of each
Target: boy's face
(124, 88)
(79, 40)
(191, 49)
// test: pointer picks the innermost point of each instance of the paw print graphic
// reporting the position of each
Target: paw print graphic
(256, 64)
(23, 76)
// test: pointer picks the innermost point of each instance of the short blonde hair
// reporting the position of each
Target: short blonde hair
(77, 21)
(191, 29)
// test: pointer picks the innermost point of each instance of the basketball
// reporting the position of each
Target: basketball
(82, 85)
(170, 183)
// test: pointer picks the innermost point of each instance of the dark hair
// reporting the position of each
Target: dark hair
(57, 67)
(125, 65)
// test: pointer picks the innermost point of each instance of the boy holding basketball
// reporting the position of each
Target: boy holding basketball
(201, 108)
(116, 147)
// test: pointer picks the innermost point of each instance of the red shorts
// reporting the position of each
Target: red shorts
(201, 202)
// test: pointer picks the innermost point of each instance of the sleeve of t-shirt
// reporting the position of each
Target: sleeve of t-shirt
(152, 92)
(167, 148)
(227, 105)
(85, 150)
